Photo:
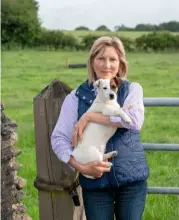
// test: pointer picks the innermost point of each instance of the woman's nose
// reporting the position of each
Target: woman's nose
(107, 64)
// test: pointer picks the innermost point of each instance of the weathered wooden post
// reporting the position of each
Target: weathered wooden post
(54, 178)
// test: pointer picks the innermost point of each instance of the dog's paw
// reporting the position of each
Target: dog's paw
(128, 120)
(114, 153)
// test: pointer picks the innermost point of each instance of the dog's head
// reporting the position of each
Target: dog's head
(107, 88)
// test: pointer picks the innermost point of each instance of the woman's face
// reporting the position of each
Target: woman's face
(106, 63)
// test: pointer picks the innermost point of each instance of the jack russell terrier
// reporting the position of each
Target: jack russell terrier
(95, 136)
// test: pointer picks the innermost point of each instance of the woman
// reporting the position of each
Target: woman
(121, 190)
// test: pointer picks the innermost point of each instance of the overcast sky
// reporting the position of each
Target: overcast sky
(68, 14)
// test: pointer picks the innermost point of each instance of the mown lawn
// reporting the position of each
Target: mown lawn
(26, 73)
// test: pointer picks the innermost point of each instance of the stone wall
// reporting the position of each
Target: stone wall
(11, 185)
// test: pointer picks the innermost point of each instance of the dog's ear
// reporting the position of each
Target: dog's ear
(97, 83)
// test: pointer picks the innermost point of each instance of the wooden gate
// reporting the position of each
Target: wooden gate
(54, 178)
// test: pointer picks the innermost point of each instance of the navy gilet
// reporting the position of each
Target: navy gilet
(130, 164)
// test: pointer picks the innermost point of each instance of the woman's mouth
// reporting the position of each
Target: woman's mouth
(105, 72)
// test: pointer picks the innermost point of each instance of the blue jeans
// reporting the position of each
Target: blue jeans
(126, 202)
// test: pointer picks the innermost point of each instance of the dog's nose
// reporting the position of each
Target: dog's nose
(111, 96)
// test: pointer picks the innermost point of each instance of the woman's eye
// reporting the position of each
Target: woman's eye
(104, 87)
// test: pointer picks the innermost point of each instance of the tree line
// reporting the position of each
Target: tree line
(21, 27)
(172, 26)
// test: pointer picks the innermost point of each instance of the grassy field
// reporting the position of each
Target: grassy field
(26, 73)
(130, 34)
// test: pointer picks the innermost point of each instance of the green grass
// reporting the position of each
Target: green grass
(130, 34)
(26, 73)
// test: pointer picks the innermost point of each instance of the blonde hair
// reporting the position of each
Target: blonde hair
(102, 43)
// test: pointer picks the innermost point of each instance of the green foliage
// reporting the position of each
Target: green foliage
(20, 24)
(82, 28)
(102, 28)
(147, 27)
(88, 40)
(172, 26)
(55, 39)
(158, 41)
(129, 43)
(122, 28)
(21, 28)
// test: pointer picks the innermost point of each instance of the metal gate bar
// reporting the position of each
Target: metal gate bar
(162, 147)
(163, 190)
(161, 101)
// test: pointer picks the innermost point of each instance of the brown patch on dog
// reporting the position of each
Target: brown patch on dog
(115, 83)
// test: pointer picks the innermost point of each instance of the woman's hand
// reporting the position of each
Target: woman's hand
(79, 127)
(95, 168)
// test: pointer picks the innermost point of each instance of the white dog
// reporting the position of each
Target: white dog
(95, 136)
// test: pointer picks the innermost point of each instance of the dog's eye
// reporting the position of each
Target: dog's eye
(113, 87)
(104, 87)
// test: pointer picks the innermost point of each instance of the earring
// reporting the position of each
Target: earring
(118, 75)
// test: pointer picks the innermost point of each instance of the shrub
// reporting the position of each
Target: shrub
(129, 43)
(55, 39)
(88, 40)
(157, 41)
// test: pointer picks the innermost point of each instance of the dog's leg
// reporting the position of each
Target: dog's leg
(116, 111)
(123, 115)
(110, 154)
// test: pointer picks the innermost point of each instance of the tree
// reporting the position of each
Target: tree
(170, 26)
(122, 27)
(167, 26)
(19, 21)
(102, 28)
(83, 28)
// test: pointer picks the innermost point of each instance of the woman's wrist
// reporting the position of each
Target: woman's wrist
(89, 116)
(93, 116)
(99, 118)
(78, 166)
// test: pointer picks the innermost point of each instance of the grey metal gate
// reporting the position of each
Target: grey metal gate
(162, 147)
